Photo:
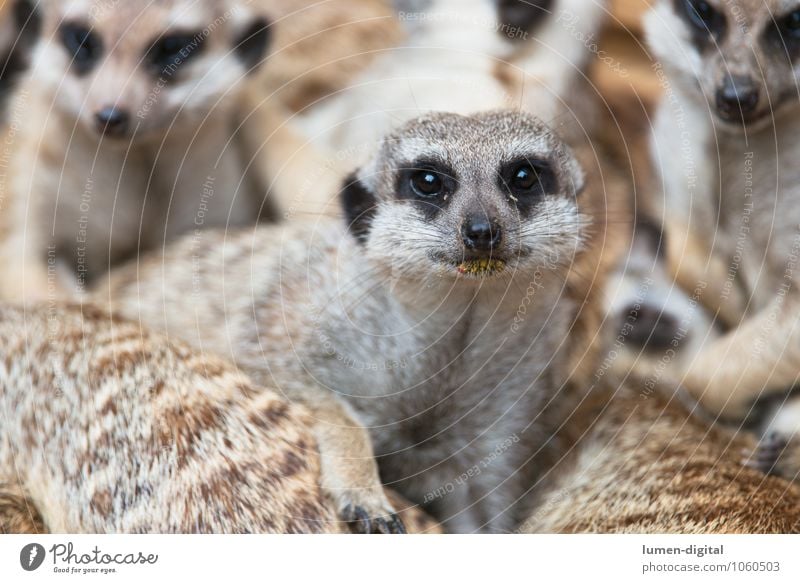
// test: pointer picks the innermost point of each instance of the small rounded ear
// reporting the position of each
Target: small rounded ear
(252, 44)
(358, 204)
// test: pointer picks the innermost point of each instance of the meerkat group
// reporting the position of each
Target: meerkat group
(442, 338)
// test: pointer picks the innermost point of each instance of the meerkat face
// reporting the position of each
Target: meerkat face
(130, 68)
(743, 56)
(468, 197)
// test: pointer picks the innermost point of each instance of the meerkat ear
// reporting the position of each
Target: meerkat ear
(358, 204)
(252, 43)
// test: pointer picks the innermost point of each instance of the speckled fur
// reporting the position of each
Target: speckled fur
(646, 465)
(108, 428)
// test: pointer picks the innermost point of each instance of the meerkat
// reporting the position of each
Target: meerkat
(108, 428)
(456, 56)
(724, 144)
(399, 326)
(128, 135)
(641, 462)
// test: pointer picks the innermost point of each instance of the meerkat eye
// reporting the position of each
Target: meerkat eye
(703, 17)
(783, 34)
(789, 25)
(171, 51)
(84, 46)
(526, 178)
(426, 183)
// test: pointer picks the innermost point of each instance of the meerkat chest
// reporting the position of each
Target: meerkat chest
(89, 194)
(432, 387)
(761, 211)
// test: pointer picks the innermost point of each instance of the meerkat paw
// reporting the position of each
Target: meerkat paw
(350, 476)
(778, 452)
(366, 510)
(766, 455)
(362, 521)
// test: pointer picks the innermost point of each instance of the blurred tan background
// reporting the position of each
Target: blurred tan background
(623, 39)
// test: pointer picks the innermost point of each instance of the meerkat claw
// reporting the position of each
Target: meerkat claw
(359, 521)
(767, 454)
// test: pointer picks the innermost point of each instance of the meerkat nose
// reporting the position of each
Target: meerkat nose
(737, 97)
(481, 233)
(112, 121)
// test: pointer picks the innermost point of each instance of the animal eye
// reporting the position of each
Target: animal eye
(426, 183)
(82, 45)
(171, 51)
(526, 178)
(790, 24)
(703, 16)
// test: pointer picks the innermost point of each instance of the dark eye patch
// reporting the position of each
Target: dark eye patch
(707, 23)
(252, 45)
(170, 52)
(784, 34)
(521, 17)
(527, 180)
(83, 46)
(430, 184)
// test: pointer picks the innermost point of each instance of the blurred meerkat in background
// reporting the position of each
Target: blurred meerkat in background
(128, 135)
(724, 145)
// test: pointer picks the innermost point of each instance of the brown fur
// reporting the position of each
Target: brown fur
(18, 514)
(648, 466)
(321, 46)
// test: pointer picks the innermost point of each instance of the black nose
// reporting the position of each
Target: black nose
(112, 121)
(737, 98)
(481, 234)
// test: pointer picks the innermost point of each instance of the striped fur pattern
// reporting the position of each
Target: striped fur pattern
(647, 465)
(108, 428)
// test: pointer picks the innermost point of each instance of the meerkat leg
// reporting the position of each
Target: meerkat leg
(349, 470)
(758, 359)
(18, 514)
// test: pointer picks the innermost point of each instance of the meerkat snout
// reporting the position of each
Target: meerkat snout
(737, 98)
(481, 234)
(739, 56)
(112, 121)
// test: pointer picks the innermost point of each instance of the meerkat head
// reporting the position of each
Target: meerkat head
(494, 194)
(130, 68)
(742, 56)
